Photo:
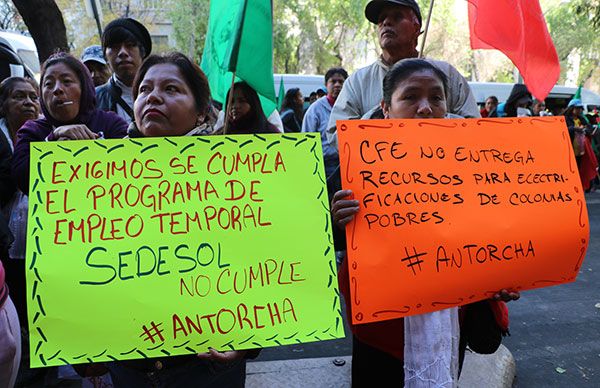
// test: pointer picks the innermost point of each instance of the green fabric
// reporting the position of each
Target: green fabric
(281, 94)
(240, 39)
(578, 93)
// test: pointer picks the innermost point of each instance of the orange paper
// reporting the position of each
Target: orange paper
(452, 211)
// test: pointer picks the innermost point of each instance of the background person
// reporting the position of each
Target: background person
(317, 116)
(491, 103)
(581, 132)
(292, 110)
(126, 42)
(93, 58)
(246, 115)
(398, 28)
(518, 102)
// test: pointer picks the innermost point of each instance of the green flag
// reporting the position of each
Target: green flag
(240, 39)
(578, 93)
(281, 94)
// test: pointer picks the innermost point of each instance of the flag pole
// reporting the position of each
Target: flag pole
(426, 29)
(228, 110)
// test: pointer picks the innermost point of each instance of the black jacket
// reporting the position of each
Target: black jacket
(108, 95)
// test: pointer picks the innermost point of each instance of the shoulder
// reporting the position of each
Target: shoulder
(35, 130)
(103, 89)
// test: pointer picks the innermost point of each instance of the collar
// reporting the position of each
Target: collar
(124, 88)
(330, 100)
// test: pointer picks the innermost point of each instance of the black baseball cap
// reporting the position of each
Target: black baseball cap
(373, 9)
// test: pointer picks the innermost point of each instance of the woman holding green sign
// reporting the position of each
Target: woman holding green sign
(172, 98)
(426, 349)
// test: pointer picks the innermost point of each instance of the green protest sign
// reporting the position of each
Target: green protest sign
(168, 246)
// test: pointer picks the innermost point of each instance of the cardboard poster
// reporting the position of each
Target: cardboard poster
(143, 248)
(452, 211)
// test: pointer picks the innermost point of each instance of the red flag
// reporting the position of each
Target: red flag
(518, 29)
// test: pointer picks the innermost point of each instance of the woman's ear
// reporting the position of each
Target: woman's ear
(200, 119)
(386, 110)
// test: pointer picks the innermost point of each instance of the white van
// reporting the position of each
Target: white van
(25, 48)
(559, 96)
(306, 83)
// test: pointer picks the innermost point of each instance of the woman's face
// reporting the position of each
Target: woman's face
(490, 105)
(421, 95)
(165, 104)
(22, 104)
(299, 98)
(61, 90)
(239, 106)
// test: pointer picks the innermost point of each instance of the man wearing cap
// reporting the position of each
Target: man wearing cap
(93, 59)
(398, 27)
(126, 42)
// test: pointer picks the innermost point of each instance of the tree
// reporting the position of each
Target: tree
(10, 18)
(190, 22)
(45, 24)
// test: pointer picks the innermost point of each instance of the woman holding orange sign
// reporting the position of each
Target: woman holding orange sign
(427, 348)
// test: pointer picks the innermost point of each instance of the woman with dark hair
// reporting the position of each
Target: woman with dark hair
(69, 107)
(246, 115)
(429, 347)
(18, 103)
(172, 98)
(518, 102)
(292, 110)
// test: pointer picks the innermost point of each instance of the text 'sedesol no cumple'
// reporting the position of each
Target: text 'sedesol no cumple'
(158, 247)
(452, 211)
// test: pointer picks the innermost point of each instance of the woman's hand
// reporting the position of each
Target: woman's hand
(74, 132)
(222, 357)
(506, 296)
(343, 210)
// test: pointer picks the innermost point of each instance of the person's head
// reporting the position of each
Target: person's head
(538, 107)
(334, 80)
(518, 100)
(67, 90)
(293, 99)
(398, 25)
(491, 103)
(312, 97)
(414, 88)
(321, 92)
(171, 95)
(126, 42)
(575, 107)
(93, 58)
(19, 101)
(246, 114)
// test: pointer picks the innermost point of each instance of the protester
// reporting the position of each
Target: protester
(518, 102)
(398, 27)
(381, 353)
(10, 330)
(538, 108)
(491, 103)
(317, 116)
(581, 133)
(18, 103)
(70, 113)
(171, 99)
(93, 59)
(321, 92)
(292, 110)
(312, 98)
(246, 115)
(126, 42)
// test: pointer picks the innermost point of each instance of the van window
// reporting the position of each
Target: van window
(30, 59)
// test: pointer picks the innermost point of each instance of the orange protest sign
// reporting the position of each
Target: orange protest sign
(454, 210)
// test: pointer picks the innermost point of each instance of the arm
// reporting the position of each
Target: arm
(346, 107)
(311, 120)
(7, 185)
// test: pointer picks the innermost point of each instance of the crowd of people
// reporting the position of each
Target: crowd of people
(121, 89)
(583, 128)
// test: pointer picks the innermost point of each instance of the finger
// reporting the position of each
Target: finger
(341, 194)
(345, 221)
(346, 212)
(88, 133)
(343, 204)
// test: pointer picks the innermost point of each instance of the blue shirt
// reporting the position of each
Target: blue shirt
(315, 120)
